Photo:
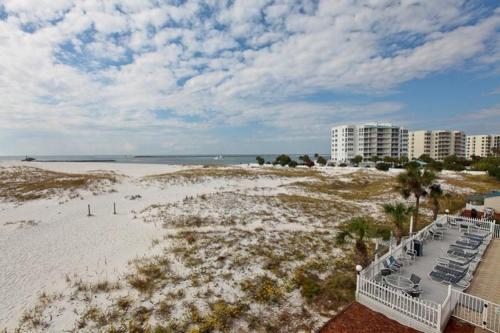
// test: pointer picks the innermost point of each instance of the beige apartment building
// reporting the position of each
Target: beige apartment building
(436, 144)
(481, 145)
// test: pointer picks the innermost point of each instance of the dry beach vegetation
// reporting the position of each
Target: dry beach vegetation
(258, 256)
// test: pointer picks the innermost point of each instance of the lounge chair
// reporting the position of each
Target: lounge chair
(469, 240)
(416, 281)
(439, 227)
(391, 268)
(435, 234)
(437, 276)
(474, 239)
(455, 261)
(413, 292)
(467, 245)
(409, 252)
(479, 236)
(394, 262)
(447, 270)
(405, 259)
(460, 254)
(453, 224)
(457, 281)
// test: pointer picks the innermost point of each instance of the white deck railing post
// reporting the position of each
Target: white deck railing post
(485, 315)
(439, 316)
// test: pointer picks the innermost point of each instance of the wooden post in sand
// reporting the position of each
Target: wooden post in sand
(89, 211)
(114, 208)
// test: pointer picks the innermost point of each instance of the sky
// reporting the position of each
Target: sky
(259, 76)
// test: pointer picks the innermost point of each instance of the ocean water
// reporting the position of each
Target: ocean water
(159, 159)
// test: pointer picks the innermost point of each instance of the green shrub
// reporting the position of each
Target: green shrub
(357, 159)
(263, 289)
(435, 166)
(282, 160)
(321, 160)
(306, 160)
(309, 284)
(382, 166)
(292, 164)
(260, 160)
(455, 163)
(412, 165)
(494, 172)
(425, 158)
(482, 166)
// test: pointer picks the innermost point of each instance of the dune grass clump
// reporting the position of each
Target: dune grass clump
(33, 319)
(150, 274)
(357, 186)
(217, 172)
(201, 174)
(329, 292)
(220, 317)
(21, 184)
(263, 289)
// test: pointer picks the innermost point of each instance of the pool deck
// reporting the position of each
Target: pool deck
(432, 249)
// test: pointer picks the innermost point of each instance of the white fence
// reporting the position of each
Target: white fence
(475, 310)
(481, 224)
(425, 314)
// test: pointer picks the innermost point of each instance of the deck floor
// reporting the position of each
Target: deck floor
(432, 249)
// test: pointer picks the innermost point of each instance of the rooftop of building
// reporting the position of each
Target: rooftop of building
(479, 197)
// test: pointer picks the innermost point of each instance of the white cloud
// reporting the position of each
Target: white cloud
(215, 66)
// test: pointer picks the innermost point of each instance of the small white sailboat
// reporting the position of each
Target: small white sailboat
(218, 157)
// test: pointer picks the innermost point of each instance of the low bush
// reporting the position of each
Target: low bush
(321, 160)
(309, 284)
(263, 289)
(383, 166)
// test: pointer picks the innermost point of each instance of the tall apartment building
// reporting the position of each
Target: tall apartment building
(368, 140)
(481, 145)
(436, 144)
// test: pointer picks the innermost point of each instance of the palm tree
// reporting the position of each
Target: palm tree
(399, 214)
(415, 181)
(358, 229)
(435, 194)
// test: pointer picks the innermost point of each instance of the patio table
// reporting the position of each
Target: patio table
(398, 282)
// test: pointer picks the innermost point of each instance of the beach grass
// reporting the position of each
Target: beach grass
(20, 183)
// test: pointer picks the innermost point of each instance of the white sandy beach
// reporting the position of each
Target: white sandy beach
(65, 241)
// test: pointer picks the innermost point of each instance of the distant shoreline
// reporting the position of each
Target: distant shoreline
(207, 159)
(79, 161)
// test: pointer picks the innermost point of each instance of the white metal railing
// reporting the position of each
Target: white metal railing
(424, 312)
(476, 310)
